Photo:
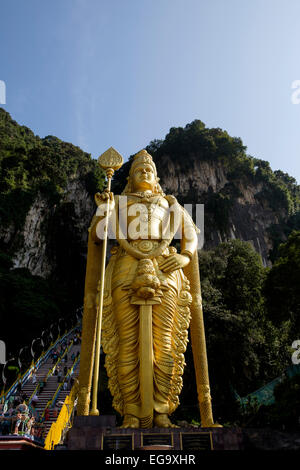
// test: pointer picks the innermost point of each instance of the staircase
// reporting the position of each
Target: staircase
(50, 388)
(48, 393)
(29, 387)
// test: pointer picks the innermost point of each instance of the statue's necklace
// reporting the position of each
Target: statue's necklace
(144, 196)
(135, 252)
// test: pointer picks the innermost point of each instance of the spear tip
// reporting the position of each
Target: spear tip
(110, 159)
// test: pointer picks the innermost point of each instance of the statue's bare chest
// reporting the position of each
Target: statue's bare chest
(143, 216)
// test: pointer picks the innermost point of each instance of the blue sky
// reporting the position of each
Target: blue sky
(122, 72)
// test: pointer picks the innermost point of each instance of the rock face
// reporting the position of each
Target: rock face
(201, 176)
(248, 216)
(84, 206)
(40, 245)
(34, 254)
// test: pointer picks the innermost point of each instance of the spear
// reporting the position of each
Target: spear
(109, 161)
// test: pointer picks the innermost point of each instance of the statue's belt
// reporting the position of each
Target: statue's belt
(145, 246)
(142, 249)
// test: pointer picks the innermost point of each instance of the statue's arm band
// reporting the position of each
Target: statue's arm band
(187, 253)
(189, 240)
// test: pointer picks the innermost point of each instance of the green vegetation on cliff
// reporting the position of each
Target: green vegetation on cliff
(282, 287)
(196, 142)
(29, 165)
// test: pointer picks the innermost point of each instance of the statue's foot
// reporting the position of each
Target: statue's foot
(130, 421)
(211, 425)
(162, 421)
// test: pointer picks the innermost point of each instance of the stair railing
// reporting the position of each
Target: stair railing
(53, 399)
(63, 421)
(51, 371)
(43, 357)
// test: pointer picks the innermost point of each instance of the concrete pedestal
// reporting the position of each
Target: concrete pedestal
(100, 432)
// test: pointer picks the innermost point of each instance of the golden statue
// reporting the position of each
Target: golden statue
(150, 296)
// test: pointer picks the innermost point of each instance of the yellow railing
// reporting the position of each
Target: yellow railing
(29, 370)
(48, 375)
(63, 421)
(47, 405)
(19, 379)
(51, 373)
(59, 360)
(4, 393)
(50, 402)
(33, 393)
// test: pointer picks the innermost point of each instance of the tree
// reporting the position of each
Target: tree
(282, 285)
(245, 349)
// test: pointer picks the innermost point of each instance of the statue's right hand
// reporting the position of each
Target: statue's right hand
(100, 198)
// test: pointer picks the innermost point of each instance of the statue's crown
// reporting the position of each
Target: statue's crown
(142, 157)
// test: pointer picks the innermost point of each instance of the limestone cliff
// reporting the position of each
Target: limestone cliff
(37, 252)
(247, 216)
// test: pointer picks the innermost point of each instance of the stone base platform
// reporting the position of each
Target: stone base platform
(13, 442)
(101, 433)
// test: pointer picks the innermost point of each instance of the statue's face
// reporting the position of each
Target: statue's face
(143, 177)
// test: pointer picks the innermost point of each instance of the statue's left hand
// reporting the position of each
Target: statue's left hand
(174, 262)
(100, 198)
